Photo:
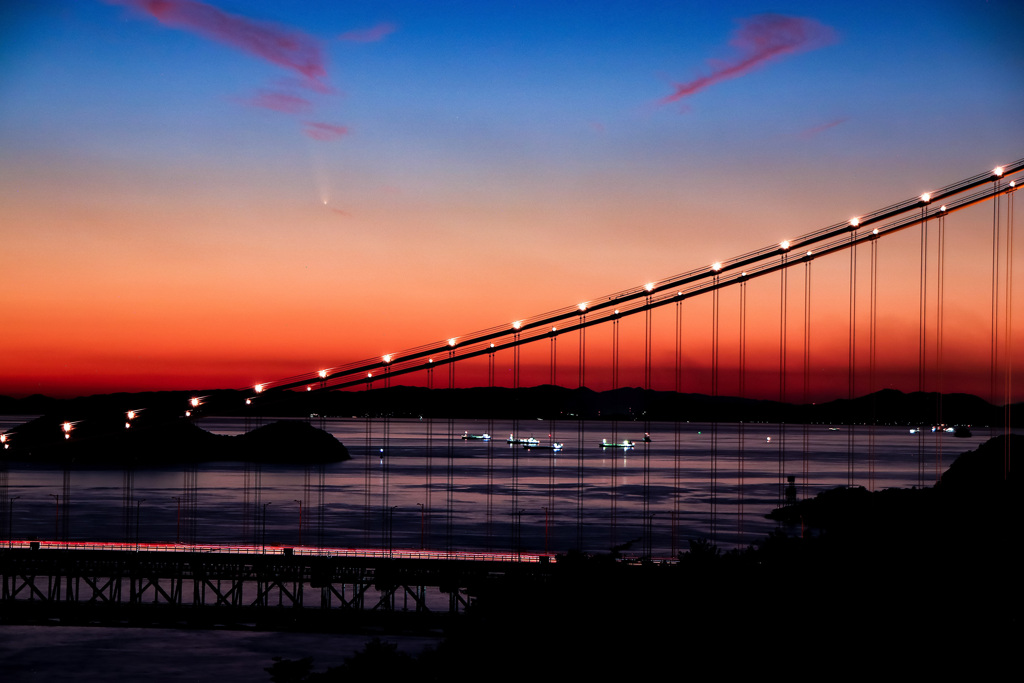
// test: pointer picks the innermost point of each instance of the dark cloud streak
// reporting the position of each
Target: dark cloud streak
(814, 130)
(369, 35)
(324, 131)
(282, 46)
(759, 39)
(282, 102)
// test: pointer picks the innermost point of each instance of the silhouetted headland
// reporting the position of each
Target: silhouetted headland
(176, 441)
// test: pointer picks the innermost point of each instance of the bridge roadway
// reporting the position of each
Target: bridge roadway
(272, 587)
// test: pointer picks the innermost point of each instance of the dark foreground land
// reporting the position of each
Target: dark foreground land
(896, 582)
(884, 582)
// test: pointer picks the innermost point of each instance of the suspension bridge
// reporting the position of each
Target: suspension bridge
(637, 483)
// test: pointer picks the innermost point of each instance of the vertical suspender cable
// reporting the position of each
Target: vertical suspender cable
(994, 351)
(428, 465)
(385, 465)
(1008, 399)
(807, 370)
(677, 443)
(367, 466)
(514, 493)
(714, 407)
(581, 433)
(613, 489)
(851, 377)
(450, 470)
(921, 341)
(940, 313)
(740, 445)
(552, 436)
(872, 358)
(782, 376)
(489, 523)
(647, 520)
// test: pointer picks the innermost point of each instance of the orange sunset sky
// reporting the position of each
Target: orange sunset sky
(209, 195)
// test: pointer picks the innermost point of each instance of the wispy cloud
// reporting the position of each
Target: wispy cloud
(369, 35)
(324, 131)
(285, 47)
(814, 130)
(278, 101)
(759, 39)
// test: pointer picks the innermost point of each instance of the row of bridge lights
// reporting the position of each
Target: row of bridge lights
(517, 325)
(649, 288)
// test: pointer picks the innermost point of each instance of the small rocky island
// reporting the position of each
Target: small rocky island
(169, 442)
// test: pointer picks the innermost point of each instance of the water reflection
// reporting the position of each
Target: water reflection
(482, 495)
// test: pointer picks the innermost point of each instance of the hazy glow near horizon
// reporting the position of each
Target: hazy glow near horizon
(268, 188)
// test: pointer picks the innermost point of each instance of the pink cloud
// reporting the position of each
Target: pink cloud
(759, 39)
(282, 46)
(369, 35)
(814, 130)
(282, 102)
(324, 131)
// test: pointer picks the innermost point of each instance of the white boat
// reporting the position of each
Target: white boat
(625, 443)
(556, 446)
(523, 441)
(479, 437)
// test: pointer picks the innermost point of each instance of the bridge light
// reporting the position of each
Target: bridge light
(926, 197)
(854, 222)
(1012, 184)
(369, 375)
(716, 266)
(386, 357)
(3, 438)
(997, 171)
(188, 413)
(131, 414)
(942, 208)
(616, 311)
(784, 244)
(309, 388)
(809, 252)
(258, 388)
(517, 324)
(875, 231)
(554, 329)
(322, 374)
(430, 360)
(194, 402)
(66, 427)
(492, 345)
(582, 307)
(649, 287)
(248, 401)
(127, 425)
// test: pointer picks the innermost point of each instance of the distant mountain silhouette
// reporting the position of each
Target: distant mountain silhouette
(887, 406)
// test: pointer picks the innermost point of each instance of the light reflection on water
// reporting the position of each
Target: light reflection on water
(483, 502)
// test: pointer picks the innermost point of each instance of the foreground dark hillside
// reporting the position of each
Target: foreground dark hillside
(924, 581)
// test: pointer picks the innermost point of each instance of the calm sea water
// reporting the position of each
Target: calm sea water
(691, 480)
